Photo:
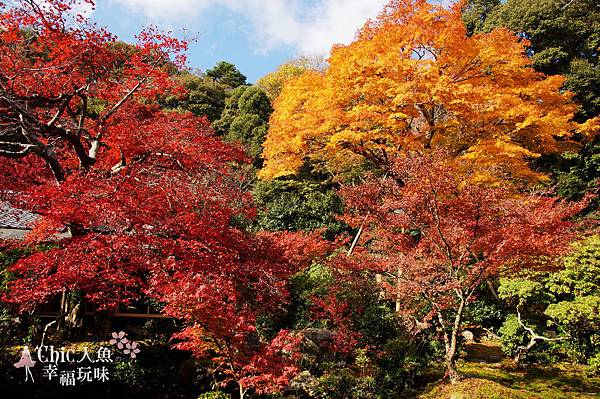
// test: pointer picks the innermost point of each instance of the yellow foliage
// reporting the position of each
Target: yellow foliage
(272, 83)
(413, 79)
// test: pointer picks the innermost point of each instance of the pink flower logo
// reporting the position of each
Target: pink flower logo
(132, 349)
(119, 339)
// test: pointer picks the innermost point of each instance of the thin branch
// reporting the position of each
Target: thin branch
(534, 335)
(44, 151)
(130, 92)
(65, 103)
(521, 350)
(95, 144)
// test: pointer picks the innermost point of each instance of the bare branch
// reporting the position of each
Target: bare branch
(44, 151)
(96, 142)
(534, 338)
(65, 102)
(24, 150)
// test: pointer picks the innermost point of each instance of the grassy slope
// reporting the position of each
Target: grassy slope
(499, 380)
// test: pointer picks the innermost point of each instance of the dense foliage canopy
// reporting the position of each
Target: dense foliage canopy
(341, 229)
(414, 79)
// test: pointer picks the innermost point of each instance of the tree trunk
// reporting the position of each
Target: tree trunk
(451, 340)
(74, 320)
(493, 290)
(62, 311)
(451, 372)
(70, 319)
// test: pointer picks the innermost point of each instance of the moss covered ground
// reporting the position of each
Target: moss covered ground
(485, 377)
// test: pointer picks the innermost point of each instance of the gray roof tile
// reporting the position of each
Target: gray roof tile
(13, 218)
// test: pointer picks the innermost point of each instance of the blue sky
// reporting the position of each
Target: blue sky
(255, 35)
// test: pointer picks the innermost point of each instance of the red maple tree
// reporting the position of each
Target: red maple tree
(63, 80)
(150, 197)
(223, 303)
(435, 237)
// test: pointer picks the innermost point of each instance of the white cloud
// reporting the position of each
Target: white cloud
(167, 10)
(310, 29)
(82, 8)
(319, 27)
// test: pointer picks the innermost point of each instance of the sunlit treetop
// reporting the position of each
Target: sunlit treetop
(273, 82)
(414, 79)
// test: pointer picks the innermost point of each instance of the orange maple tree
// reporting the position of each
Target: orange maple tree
(414, 79)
